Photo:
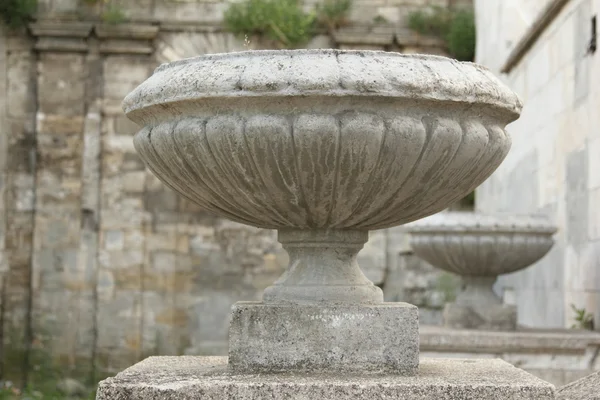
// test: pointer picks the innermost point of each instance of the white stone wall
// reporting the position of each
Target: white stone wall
(554, 164)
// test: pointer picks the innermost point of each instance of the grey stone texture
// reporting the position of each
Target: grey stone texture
(366, 339)
(554, 165)
(360, 182)
(558, 357)
(480, 247)
(323, 267)
(246, 143)
(208, 378)
(587, 388)
(132, 262)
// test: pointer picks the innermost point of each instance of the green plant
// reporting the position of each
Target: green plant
(468, 201)
(112, 10)
(449, 285)
(282, 21)
(113, 14)
(17, 13)
(380, 19)
(455, 27)
(333, 14)
(583, 319)
(435, 21)
(461, 37)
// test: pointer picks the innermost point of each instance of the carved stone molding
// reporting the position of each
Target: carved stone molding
(126, 38)
(72, 36)
(61, 36)
(361, 156)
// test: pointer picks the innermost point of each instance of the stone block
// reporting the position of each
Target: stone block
(179, 378)
(593, 164)
(337, 337)
(124, 126)
(61, 84)
(161, 200)
(20, 84)
(587, 388)
(114, 240)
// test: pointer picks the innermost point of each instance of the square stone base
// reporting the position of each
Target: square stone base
(208, 378)
(340, 337)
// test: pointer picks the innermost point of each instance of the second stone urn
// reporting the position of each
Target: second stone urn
(479, 248)
(322, 145)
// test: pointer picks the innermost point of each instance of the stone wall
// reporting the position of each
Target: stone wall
(553, 167)
(100, 264)
(558, 356)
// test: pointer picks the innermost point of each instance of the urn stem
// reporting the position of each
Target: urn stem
(323, 269)
(478, 292)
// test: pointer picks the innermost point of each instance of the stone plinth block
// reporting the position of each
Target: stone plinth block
(587, 388)
(326, 337)
(208, 378)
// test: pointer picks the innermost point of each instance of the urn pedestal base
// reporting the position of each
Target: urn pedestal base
(478, 307)
(208, 378)
(370, 339)
(500, 317)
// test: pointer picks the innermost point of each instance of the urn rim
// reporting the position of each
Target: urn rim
(320, 73)
(466, 222)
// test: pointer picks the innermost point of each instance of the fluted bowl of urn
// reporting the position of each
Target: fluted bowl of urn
(322, 145)
(479, 247)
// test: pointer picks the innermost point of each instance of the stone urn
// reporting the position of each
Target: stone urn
(323, 146)
(479, 248)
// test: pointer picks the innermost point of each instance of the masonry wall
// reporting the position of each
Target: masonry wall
(554, 165)
(100, 264)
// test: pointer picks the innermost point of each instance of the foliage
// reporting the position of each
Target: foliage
(583, 319)
(449, 285)
(333, 14)
(282, 21)
(469, 200)
(113, 14)
(17, 13)
(285, 22)
(112, 11)
(45, 392)
(461, 37)
(44, 370)
(380, 19)
(455, 27)
(435, 21)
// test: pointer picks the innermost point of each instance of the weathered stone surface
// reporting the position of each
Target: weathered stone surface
(554, 152)
(587, 388)
(410, 279)
(324, 69)
(323, 267)
(481, 247)
(320, 215)
(327, 337)
(89, 176)
(208, 378)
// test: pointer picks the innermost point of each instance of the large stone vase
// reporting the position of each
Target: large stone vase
(479, 248)
(323, 146)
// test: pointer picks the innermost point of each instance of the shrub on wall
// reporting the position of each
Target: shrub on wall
(461, 37)
(112, 10)
(17, 13)
(282, 21)
(285, 22)
(333, 14)
(455, 27)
